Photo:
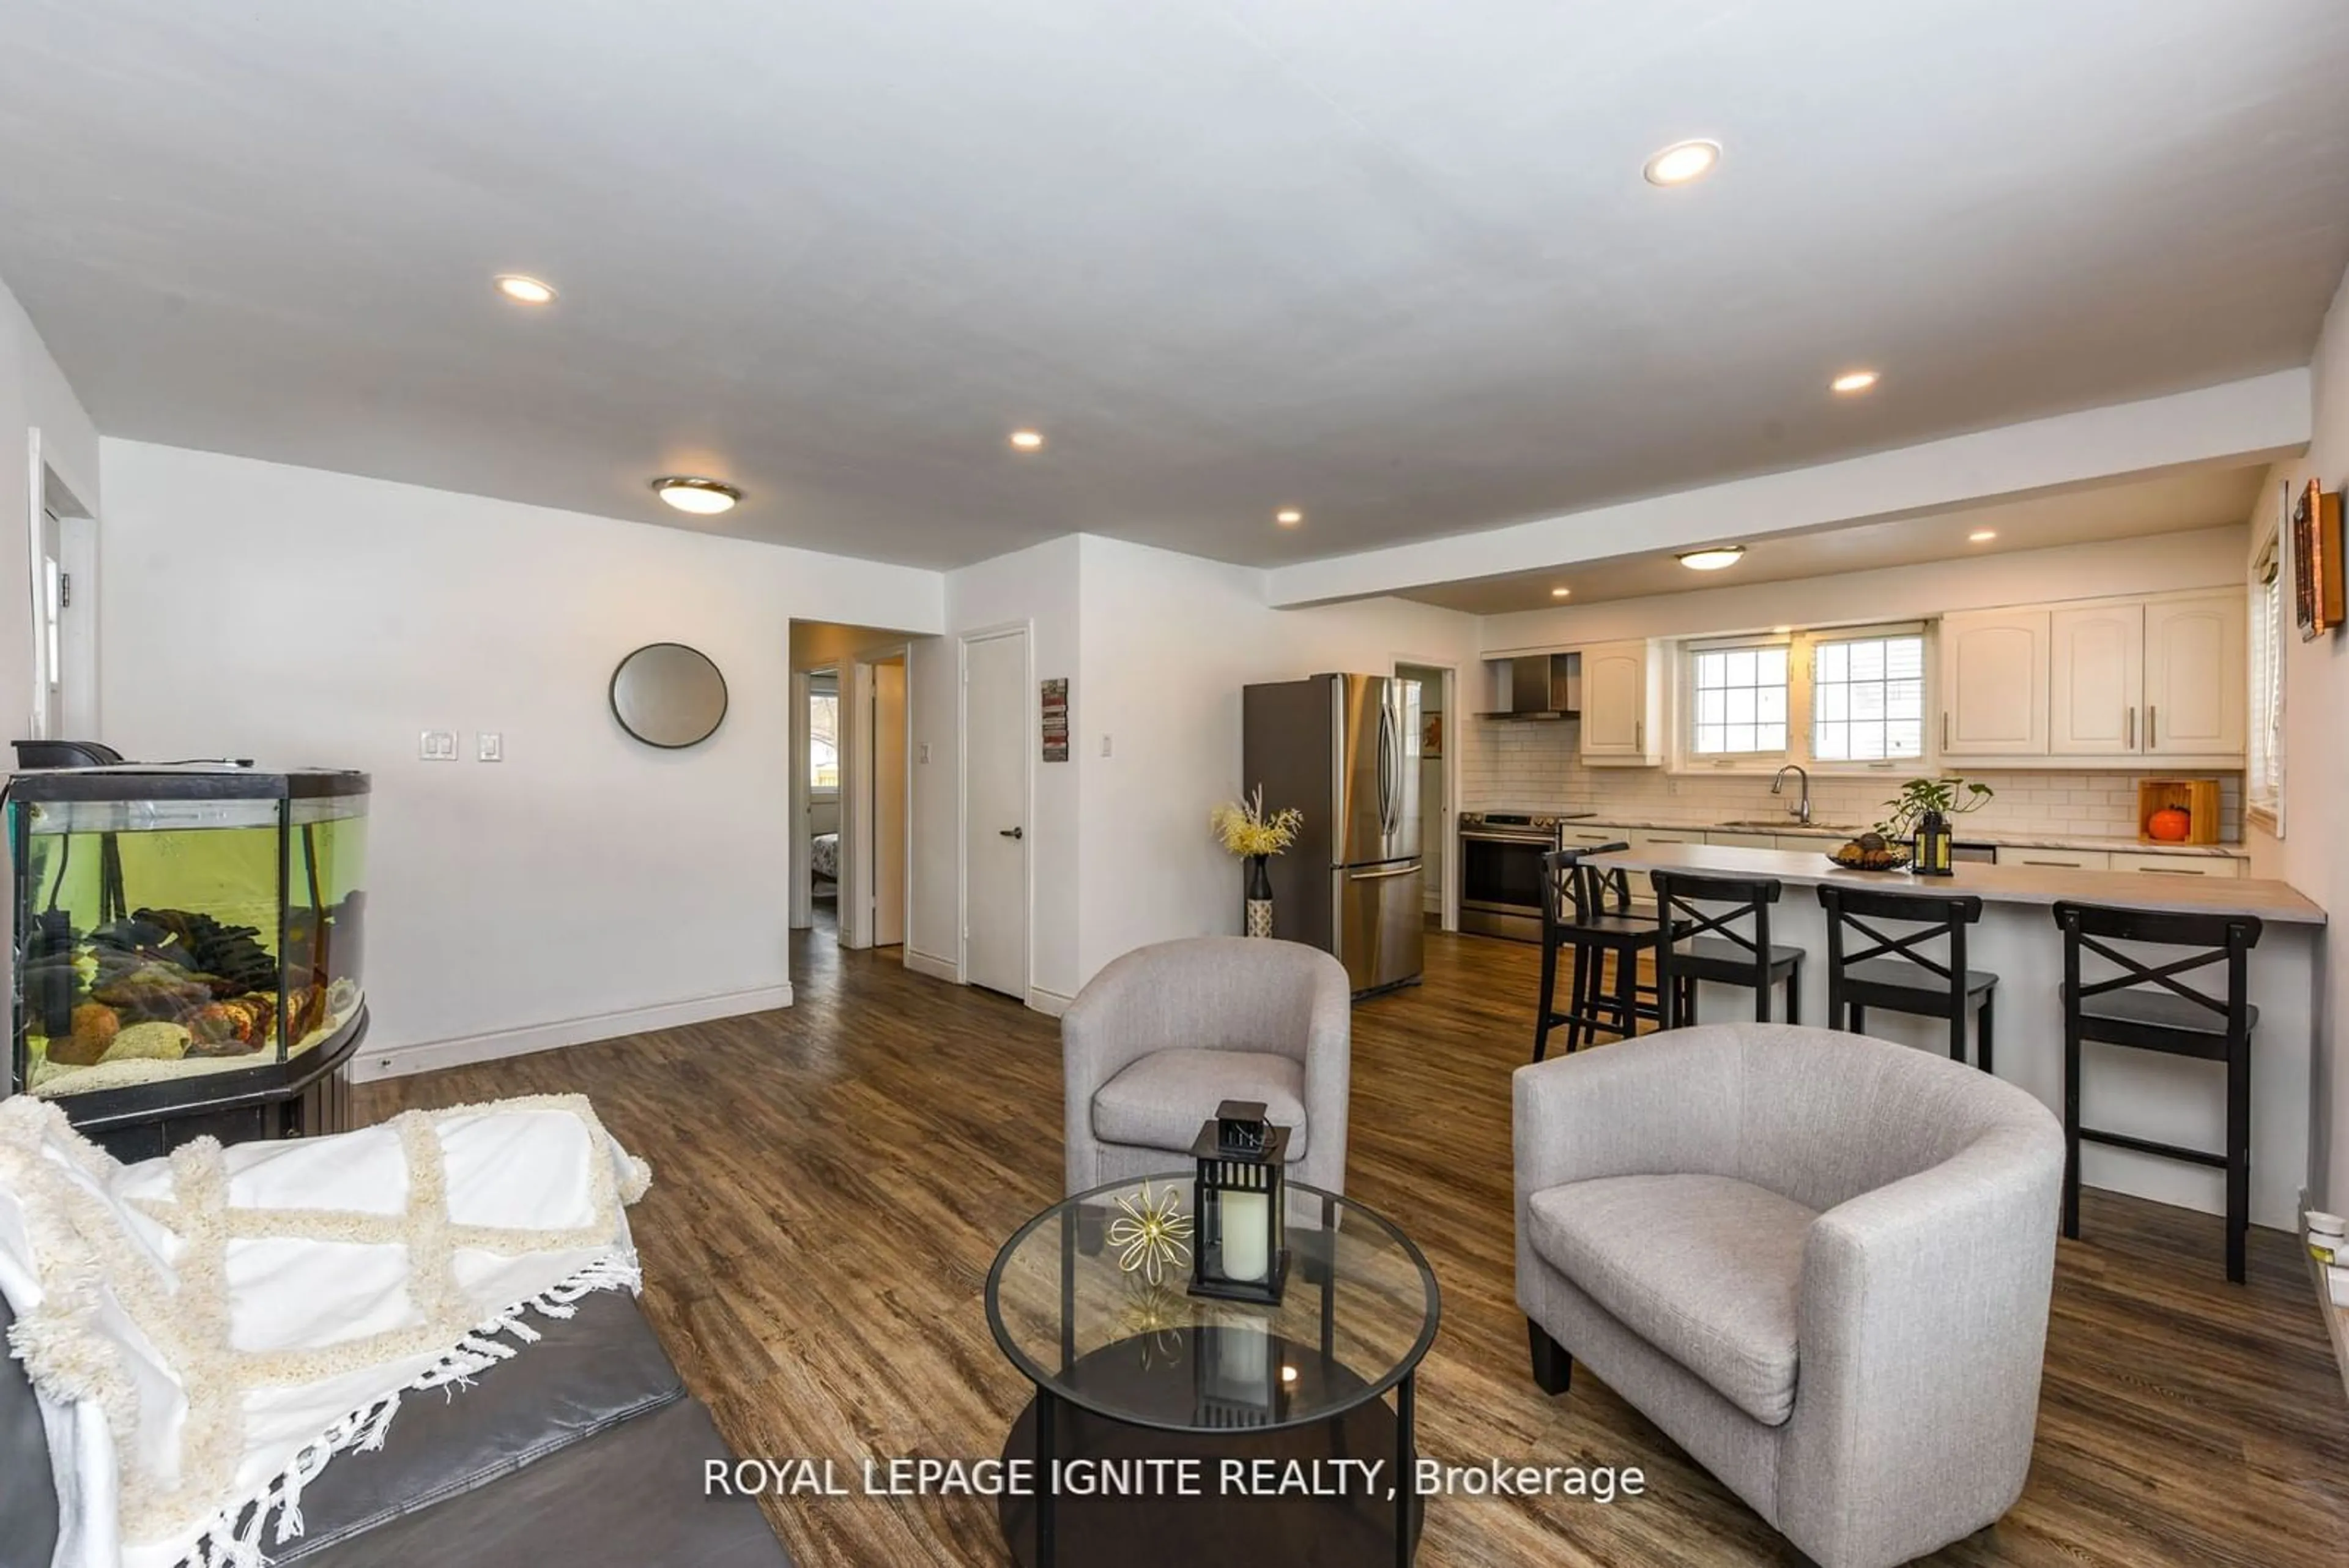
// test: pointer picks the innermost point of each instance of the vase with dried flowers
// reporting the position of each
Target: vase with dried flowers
(1248, 830)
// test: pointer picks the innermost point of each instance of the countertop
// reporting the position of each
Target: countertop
(1601, 818)
(2272, 901)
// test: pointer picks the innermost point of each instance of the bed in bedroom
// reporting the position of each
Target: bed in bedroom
(824, 859)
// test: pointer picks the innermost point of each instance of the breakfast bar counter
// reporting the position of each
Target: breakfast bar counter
(2168, 1099)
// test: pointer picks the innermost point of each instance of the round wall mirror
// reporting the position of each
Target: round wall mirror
(667, 694)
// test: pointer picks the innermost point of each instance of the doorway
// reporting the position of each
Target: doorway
(850, 787)
(1435, 750)
(998, 721)
(65, 623)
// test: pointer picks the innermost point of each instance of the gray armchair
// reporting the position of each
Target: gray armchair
(1161, 1035)
(1820, 1262)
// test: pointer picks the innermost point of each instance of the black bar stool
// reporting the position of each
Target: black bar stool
(1588, 907)
(1730, 957)
(2145, 1007)
(1895, 974)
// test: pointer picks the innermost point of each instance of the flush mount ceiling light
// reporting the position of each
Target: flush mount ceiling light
(1559, 593)
(1682, 162)
(1981, 535)
(702, 497)
(523, 289)
(1712, 559)
(1028, 441)
(1852, 382)
(1288, 517)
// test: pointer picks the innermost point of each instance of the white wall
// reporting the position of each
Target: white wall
(34, 396)
(1169, 641)
(2314, 854)
(587, 886)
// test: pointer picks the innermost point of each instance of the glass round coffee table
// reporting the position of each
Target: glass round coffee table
(1172, 1428)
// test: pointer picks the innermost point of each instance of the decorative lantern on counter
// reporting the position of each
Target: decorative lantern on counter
(1240, 1240)
(1930, 850)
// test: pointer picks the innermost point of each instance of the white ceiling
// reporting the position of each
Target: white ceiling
(1394, 264)
(2210, 498)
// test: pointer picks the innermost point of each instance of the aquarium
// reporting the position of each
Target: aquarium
(183, 924)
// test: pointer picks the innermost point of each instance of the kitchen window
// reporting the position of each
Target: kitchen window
(1868, 698)
(2263, 771)
(1841, 698)
(1738, 698)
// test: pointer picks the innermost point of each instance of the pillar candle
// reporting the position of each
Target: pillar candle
(1248, 1236)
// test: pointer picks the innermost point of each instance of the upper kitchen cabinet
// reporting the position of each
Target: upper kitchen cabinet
(2096, 678)
(2196, 681)
(1622, 692)
(1995, 683)
(2110, 681)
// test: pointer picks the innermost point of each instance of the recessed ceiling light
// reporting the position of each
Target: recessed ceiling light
(1026, 441)
(1559, 593)
(523, 289)
(1682, 162)
(1288, 517)
(1852, 382)
(1712, 559)
(702, 497)
(1981, 535)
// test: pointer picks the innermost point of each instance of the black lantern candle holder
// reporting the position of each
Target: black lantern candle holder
(1932, 853)
(1240, 1243)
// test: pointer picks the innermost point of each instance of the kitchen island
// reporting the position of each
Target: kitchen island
(2171, 1099)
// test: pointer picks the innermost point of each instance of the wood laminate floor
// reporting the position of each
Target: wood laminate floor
(831, 1182)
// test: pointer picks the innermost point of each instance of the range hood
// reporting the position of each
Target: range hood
(1541, 687)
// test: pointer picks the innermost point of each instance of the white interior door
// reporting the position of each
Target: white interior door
(996, 836)
(49, 594)
(889, 803)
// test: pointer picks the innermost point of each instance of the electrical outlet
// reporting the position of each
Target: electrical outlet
(489, 746)
(922, 752)
(437, 746)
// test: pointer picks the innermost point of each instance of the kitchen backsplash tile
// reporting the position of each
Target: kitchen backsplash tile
(1536, 767)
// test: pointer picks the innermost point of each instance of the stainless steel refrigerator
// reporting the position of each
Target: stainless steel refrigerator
(1344, 750)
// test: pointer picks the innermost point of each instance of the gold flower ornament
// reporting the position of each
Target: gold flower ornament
(1152, 1233)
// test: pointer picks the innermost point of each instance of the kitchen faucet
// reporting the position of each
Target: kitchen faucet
(1801, 810)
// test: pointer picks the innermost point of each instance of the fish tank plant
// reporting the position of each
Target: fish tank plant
(178, 926)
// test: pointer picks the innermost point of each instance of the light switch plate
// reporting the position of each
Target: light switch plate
(437, 746)
(489, 746)
(922, 752)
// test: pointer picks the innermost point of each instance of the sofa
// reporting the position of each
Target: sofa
(1161, 1035)
(1820, 1262)
(585, 1450)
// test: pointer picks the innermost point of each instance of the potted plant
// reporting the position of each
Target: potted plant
(1920, 813)
(1249, 831)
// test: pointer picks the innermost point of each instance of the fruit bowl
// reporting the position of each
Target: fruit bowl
(1855, 856)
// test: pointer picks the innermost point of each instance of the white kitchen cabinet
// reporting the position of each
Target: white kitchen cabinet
(2096, 677)
(2075, 860)
(1995, 683)
(1622, 690)
(1743, 840)
(2196, 693)
(1590, 836)
(2178, 864)
(1643, 837)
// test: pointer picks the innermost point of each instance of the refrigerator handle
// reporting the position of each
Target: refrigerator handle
(1386, 771)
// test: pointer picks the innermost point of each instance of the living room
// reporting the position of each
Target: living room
(461, 441)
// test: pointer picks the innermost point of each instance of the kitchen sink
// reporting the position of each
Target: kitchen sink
(1786, 824)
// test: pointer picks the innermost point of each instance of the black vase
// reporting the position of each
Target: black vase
(1259, 896)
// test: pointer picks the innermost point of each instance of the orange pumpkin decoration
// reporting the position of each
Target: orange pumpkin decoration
(2170, 825)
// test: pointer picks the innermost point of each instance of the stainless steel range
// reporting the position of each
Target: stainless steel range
(1501, 870)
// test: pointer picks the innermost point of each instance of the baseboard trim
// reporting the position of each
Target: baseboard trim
(401, 1061)
(1050, 1003)
(930, 964)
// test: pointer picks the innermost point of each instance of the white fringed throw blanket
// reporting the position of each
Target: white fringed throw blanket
(207, 1331)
